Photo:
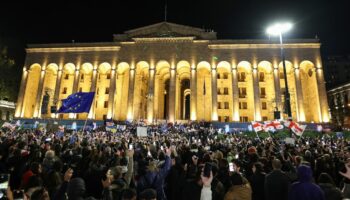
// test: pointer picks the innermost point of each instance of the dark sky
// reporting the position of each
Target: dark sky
(95, 21)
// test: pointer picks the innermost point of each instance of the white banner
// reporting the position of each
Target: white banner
(141, 131)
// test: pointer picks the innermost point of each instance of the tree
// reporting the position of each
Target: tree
(8, 81)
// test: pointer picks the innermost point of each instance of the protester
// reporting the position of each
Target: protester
(168, 164)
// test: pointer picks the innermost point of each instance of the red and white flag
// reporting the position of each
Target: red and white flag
(269, 126)
(257, 126)
(298, 129)
(277, 124)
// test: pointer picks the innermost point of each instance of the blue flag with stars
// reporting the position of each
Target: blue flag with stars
(79, 102)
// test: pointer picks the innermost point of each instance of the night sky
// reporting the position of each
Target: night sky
(88, 21)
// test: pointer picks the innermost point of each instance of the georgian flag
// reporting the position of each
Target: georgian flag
(257, 126)
(269, 126)
(277, 124)
(295, 127)
(298, 129)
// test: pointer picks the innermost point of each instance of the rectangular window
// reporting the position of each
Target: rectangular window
(281, 75)
(242, 92)
(82, 78)
(219, 119)
(227, 118)
(262, 93)
(243, 105)
(243, 118)
(264, 118)
(105, 105)
(107, 90)
(219, 105)
(218, 76)
(66, 76)
(80, 89)
(263, 105)
(219, 91)
(261, 76)
(98, 91)
(64, 91)
(226, 91)
(225, 76)
(241, 76)
(104, 117)
(108, 76)
(226, 105)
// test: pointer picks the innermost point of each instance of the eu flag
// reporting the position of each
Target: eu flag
(79, 102)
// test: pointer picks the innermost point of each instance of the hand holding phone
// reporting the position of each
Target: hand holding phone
(231, 167)
(207, 169)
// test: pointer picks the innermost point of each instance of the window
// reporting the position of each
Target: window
(64, 91)
(262, 93)
(108, 76)
(227, 118)
(226, 91)
(98, 91)
(80, 89)
(242, 92)
(219, 91)
(104, 117)
(107, 90)
(225, 76)
(82, 78)
(218, 76)
(243, 105)
(66, 76)
(264, 118)
(243, 118)
(219, 105)
(241, 76)
(261, 76)
(226, 104)
(281, 75)
(263, 105)
(219, 119)
(105, 105)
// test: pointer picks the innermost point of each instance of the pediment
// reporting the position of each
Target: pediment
(165, 29)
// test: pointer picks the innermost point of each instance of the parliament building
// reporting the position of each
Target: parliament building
(173, 72)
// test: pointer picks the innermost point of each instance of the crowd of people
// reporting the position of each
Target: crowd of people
(186, 162)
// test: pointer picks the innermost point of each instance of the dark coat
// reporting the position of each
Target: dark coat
(304, 189)
(276, 185)
(257, 182)
(155, 180)
(331, 192)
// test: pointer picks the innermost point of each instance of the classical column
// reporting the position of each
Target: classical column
(150, 97)
(276, 82)
(93, 89)
(322, 95)
(57, 89)
(172, 95)
(22, 88)
(256, 88)
(299, 96)
(39, 95)
(214, 95)
(235, 96)
(111, 95)
(75, 87)
(193, 94)
(130, 114)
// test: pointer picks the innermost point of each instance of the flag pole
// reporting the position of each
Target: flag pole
(87, 117)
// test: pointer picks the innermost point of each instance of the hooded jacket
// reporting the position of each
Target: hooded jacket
(304, 189)
(155, 179)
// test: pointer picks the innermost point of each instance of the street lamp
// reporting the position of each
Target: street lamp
(278, 30)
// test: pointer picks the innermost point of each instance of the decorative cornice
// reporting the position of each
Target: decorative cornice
(164, 39)
(72, 49)
(264, 46)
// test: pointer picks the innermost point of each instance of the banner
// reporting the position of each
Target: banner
(141, 131)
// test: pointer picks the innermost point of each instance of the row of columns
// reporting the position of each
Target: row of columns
(323, 111)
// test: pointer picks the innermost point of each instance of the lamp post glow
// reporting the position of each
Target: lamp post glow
(278, 30)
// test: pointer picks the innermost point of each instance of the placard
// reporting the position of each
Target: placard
(141, 131)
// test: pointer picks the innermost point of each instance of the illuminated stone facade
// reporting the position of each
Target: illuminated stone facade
(176, 72)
